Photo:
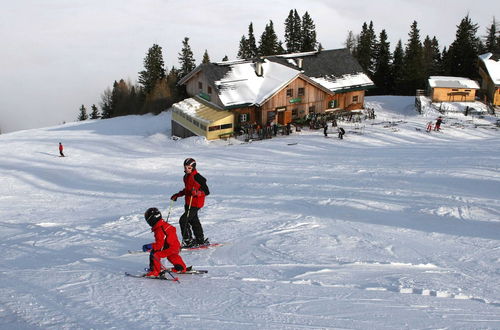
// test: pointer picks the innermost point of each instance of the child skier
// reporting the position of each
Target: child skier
(166, 244)
(195, 190)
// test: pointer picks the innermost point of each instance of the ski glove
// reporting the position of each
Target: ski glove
(147, 247)
(174, 197)
(196, 193)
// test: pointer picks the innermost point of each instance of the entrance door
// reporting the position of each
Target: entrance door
(284, 117)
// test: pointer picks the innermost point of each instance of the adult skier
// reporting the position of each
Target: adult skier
(166, 244)
(61, 148)
(195, 190)
(341, 132)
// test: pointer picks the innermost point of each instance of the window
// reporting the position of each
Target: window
(295, 113)
(301, 91)
(203, 127)
(289, 92)
(200, 85)
(454, 90)
(226, 126)
(355, 98)
(214, 128)
(271, 115)
(209, 89)
(243, 117)
(312, 109)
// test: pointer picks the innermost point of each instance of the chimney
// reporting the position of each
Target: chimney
(258, 68)
(299, 63)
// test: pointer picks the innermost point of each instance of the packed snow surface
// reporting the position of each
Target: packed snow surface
(390, 228)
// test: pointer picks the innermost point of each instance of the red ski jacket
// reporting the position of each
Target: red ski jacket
(195, 185)
(165, 238)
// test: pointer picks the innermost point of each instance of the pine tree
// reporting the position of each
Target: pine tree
(95, 112)
(243, 49)
(154, 68)
(178, 92)
(251, 43)
(83, 114)
(397, 68)
(365, 49)
(206, 58)
(247, 48)
(492, 39)
(309, 42)
(463, 52)
(381, 76)
(413, 73)
(186, 59)
(106, 104)
(431, 57)
(350, 42)
(293, 32)
(268, 44)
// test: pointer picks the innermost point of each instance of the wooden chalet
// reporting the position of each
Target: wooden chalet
(278, 88)
(489, 70)
(452, 89)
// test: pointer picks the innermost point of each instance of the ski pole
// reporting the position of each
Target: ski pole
(189, 207)
(170, 208)
(186, 226)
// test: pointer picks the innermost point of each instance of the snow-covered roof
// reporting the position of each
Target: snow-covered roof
(204, 112)
(241, 84)
(452, 82)
(344, 82)
(493, 67)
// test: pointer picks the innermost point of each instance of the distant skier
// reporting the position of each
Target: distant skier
(439, 121)
(195, 190)
(341, 132)
(61, 148)
(429, 126)
(166, 244)
(325, 129)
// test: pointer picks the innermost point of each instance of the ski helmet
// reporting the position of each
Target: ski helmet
(152, 216)
(190, 162)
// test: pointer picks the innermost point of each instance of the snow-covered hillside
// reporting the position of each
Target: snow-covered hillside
(392, 227)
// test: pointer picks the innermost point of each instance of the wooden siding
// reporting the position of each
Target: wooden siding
(453, 94)
(294, 104)
(488, 86)
(348, 101)
(193, 88)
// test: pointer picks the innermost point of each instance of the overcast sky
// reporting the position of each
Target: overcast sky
(59, 54)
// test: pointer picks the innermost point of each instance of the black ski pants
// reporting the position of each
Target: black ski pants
(190, 224)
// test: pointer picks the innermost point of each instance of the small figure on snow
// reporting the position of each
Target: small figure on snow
(61, 148)
(341, 132)
(439, 121)
(166, 244)
(325, 129)
(429, 126)
(195, 190)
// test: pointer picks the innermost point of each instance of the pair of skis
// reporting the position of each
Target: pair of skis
(199, 247)
(172, 278)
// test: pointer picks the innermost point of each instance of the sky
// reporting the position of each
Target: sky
(58, 55)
